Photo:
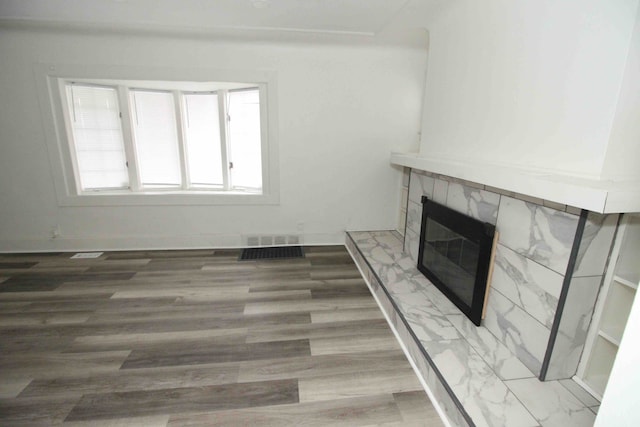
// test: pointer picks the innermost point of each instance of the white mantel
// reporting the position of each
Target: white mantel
(594, 195)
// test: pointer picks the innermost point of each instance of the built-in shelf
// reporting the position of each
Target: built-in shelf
(614, 305)
(602, 357)
(616, 311)
(627, 281)
(609, 338)
(602, 196)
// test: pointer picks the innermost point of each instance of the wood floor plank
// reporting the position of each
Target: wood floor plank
(12, 387)
(160, 254)
(4, 265)
(132, 380)
(28, 285)
(341, 412)
(34, 344)
(47, 411)
(158, 341)
(52, 269)
(148, 421)
(344, 315)
(317, 330)
(180, 400)
(93, 302)
(216, 354)
(48, 296)
(415, 408)
(281, 285)
(44, 318)
(54, 365)
(179, 309)
(309, 305)
(325, 272)
(138, 326)
(134, 341)
(198, 338)
(353, 344)
(198, 293)
(319, 366)
(357, 384)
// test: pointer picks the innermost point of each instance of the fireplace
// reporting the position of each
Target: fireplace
(455, 253)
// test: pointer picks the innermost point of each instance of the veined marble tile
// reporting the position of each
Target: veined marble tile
(522, 334)
(503, 362)
(551, 403)
(406, 263)
(440, 189)
(541, 234)
(595, 245)
(484, 396)
(363, 239)
(582, 394)
(412, 244)
(389, 240)
(404, 197)
(405, 176)
(380, 255)
(434, 294)
(447, 402)
(420, 185)
(426, 320)
(476, 203)
(574, 324)
(414, 217)
(526, 283)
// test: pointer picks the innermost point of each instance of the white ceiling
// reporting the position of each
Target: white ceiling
(364, 17)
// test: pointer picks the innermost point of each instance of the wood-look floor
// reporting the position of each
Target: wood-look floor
(156, 338)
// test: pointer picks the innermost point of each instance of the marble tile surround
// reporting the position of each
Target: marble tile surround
(474, 378)
(535, 245)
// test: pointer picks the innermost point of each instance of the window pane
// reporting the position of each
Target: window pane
(202, 129)
(244, 139)
(156, 138)
(97, 136)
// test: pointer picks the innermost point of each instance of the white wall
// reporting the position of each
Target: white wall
(531, 84)
(342, 109)
(623, 152)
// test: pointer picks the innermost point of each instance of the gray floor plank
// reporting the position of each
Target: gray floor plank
(189, 399)
(150, 338)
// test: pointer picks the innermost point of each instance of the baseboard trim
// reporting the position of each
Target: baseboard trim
(130, 243)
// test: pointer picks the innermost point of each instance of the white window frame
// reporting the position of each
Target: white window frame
(51, 80)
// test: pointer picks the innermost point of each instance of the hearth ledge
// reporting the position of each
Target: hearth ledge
(474, 380)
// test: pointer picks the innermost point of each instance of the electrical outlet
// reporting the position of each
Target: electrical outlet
(55, 231)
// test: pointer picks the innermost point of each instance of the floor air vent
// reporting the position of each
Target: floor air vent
(276, 252)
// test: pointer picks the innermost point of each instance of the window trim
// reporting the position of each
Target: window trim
(50, 83)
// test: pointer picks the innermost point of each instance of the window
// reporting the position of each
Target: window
(149, 137)
(99, 149)
(244, 138)
(203, 139)
(155, 137)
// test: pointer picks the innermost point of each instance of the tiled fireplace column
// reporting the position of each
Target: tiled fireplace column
(549, 266)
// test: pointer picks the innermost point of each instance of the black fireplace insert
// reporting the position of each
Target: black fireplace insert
(455, 254)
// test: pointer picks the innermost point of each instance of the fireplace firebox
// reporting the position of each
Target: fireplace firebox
(456, 252)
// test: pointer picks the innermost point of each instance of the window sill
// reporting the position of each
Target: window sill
(166, 198)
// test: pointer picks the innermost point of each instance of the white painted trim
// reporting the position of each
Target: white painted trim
(146, 242)
(47, 78)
